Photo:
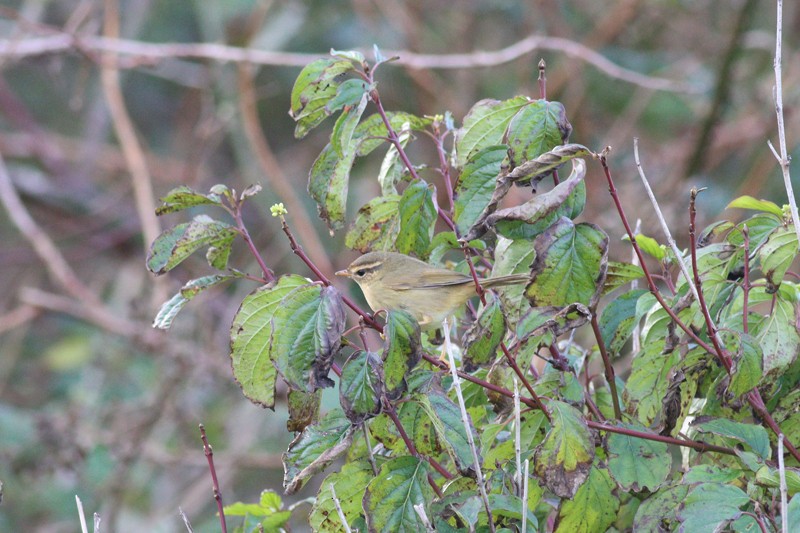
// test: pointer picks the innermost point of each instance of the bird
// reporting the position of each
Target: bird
(394, 281)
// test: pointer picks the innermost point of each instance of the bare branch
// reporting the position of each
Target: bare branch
(783, 159)
(140, 53)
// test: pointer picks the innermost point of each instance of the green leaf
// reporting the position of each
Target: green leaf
(564, 458)
(771, 477)
(709, 506)
(618, 320)
(218, 254)
(371, 132)
(417, 425)
(170, 308)
(485, 125)
(267, 512)
(543, 325)
(351, 55)
(328, 182)
(510, 506)
(401, 350)
(542, 205)
(754, 436)
(315, 86)
(649, 380)
(251, 334)
(345, 125)
(712, 474)
(392, 167)
(758, 226)
(659, 512)
(777, 333)
(268, 504)
(776, 256)
(536, 128)
(307, 330)
(484, 335)
(303, 409)
(417, 216)
(748, 202)
(475, 185)
(389, 501)
(449, 427)
(593, 508)
(618, 274)
(360, 386)
(747, 360)
(376, 226)
(637, 464)
(183, 197)
(513, 257)
(315, 448)
(570, 265)
(651, 247)
(547, 162)
(349, 485)
(176, 244)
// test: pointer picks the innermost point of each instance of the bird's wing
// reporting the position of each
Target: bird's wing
(430, 279)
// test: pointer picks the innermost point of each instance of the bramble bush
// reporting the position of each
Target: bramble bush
(688, 439)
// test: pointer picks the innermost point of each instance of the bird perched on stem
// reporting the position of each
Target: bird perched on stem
(392, 281)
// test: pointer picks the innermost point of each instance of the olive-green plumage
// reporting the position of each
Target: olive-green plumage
(430, 294)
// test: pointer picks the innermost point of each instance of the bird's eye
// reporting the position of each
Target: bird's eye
(360, 273)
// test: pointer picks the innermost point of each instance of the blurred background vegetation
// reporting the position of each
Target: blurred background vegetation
(96, 404)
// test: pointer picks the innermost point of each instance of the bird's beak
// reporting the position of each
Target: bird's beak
(344, 273)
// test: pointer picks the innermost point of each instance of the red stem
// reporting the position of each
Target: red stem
(753, 397)
(711, 328)
(269, 275)
(214, 482)
(610, 376)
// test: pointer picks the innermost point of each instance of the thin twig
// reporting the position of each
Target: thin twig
(664, 227)
(784, 490)
(448, 347)
(609, 368)
(636, 341)
(783, 158)
(525, 481)
(339, 509)
(420, 510)
(517, 438)
(81, 515)
(185, 519)
(215, 483)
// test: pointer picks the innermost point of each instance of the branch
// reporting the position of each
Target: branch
(783, 159)
(140, 53)
(214, 482)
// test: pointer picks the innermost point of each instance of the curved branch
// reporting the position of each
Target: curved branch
(143, 53)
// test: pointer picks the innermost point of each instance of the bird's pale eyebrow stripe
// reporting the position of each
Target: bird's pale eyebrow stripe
(367, 266)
